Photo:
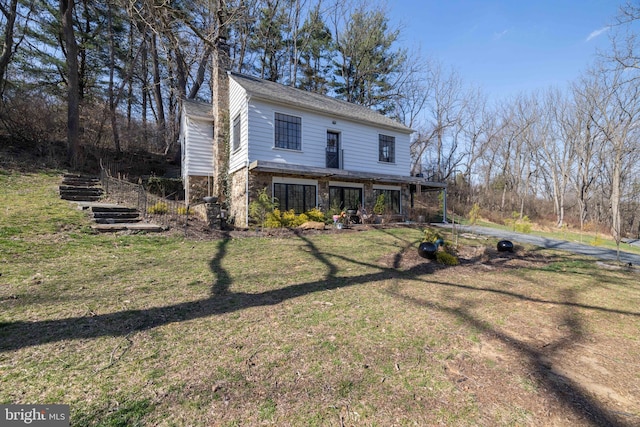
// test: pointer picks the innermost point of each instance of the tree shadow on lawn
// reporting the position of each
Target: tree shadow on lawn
(569, 392)
(17, 335)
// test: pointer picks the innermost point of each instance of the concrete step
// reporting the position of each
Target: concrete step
(81, 181)
(78, 175)
(113, 220)
(142, 226)
(117, 215)
(90, 191)
(64, 187)
(83, 206)
(80, 198)
(112, 209)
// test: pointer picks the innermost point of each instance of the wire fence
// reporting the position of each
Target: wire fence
(152, 208)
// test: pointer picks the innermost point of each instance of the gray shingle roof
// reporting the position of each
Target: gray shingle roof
(198, 109)
(275, 92)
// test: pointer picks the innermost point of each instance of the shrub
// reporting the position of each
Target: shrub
(597, 241)
(182, 210)
(315, 214)
(288, 218)
(273, 219)
(446, 258)
(379, 207)
(159, 208)
(523, 227)
(474, 214)
(516, 224)
(261, 209)
(301, 219)
(431, 235)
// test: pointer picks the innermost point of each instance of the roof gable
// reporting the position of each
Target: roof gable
(276, 92)
(197, 109)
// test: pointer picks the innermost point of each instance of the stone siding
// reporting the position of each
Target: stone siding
(220, 88)
(198, 188)
(238, 198)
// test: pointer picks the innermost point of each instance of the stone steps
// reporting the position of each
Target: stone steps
(114, 215)
(87, 192)
(141, 226)
(80, 188)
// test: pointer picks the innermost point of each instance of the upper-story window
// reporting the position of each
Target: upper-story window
(236, 133)
(386, 148)
(288, 132)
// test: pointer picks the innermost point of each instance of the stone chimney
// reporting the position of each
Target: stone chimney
(220, 89)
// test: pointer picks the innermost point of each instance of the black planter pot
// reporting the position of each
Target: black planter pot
(505, 246)
(427, 250)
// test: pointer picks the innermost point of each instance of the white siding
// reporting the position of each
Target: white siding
(359, 142)
(238, 105)
(198, 147)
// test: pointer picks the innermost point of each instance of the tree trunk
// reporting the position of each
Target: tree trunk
(145, 89)
(7, 47)
(73, 83)
(112, 101)
(615, 198)
(157, 88)
(201, 71)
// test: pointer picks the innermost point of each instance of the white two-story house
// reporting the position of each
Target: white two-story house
(306, 149)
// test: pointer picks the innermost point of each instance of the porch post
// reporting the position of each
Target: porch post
(444, 205)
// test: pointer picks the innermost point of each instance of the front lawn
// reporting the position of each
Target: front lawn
(312, 329)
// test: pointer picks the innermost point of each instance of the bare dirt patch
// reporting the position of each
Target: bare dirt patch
(540, 349)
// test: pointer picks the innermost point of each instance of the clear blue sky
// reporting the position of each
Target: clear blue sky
(508, 46)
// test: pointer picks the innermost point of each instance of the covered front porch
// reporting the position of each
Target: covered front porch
(301, 188)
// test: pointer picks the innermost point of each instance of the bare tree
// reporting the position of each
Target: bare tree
(557, 147)
(9, 11)
(617, 112)
(444, 112)
(582, 134)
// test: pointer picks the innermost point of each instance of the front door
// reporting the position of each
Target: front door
(333, 150)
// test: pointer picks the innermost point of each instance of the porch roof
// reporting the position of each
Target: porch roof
(315, 172)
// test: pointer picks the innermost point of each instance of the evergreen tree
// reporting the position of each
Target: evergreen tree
(368, 65)
(316, 48)
(269, 41)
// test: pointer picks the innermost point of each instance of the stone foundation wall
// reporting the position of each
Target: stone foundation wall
(238, 199)
(198, 188)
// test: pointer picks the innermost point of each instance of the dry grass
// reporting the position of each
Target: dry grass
(324, 329)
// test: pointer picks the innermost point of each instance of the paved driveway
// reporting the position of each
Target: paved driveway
(578, 248)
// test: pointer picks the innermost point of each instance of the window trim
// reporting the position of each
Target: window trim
(388, 141)
(295, 181)
(377, 188)
(341, 189)
(276, 119)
